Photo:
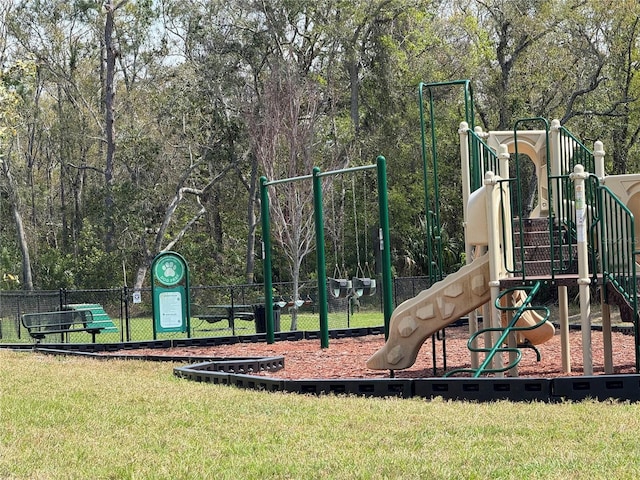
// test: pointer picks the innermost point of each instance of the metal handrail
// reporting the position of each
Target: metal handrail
(617, 241)
(485, 157)
(573, 152)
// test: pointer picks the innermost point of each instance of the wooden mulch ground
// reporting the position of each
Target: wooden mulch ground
(346, 358)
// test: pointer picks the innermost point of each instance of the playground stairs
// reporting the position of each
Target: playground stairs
(539, 253)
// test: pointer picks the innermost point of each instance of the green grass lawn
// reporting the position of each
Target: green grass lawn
(79, 418)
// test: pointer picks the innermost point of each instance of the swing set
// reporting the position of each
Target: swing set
(339, 287)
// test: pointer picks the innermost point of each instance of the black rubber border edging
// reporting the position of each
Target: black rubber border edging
(241, 372)
(548, 390)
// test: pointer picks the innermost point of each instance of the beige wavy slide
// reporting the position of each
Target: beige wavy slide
(416, 319)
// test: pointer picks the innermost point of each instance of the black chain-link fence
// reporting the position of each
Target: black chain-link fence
(405, 288)
(131, 312)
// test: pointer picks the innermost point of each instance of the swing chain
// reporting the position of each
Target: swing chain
(366, 227)
(355, 223)
(334, 231)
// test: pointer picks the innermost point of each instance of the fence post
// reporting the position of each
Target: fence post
(124, 302)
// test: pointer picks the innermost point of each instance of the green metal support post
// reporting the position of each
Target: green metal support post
(266, 259)
(432, 210)
(320, 258)
(385, 243)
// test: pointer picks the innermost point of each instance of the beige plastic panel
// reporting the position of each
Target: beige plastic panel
(532, 143)
(476, 230)
(627, 189)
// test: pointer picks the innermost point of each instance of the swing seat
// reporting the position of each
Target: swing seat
(340, 287)
(364, 286)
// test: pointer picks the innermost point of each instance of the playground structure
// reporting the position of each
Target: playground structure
(581, 232)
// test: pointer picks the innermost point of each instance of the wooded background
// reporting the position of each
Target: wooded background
(132, 127)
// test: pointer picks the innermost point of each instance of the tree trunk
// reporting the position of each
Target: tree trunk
(141, 274)
(295, 277)
(354, 86)
(110, 137)
(27, 277)
(252, 221)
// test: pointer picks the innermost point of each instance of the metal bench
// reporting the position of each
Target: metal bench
(41, 324)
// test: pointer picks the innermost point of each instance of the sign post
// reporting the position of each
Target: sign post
(170, 294)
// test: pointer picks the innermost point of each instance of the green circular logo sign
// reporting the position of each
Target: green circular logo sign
(169, 270)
